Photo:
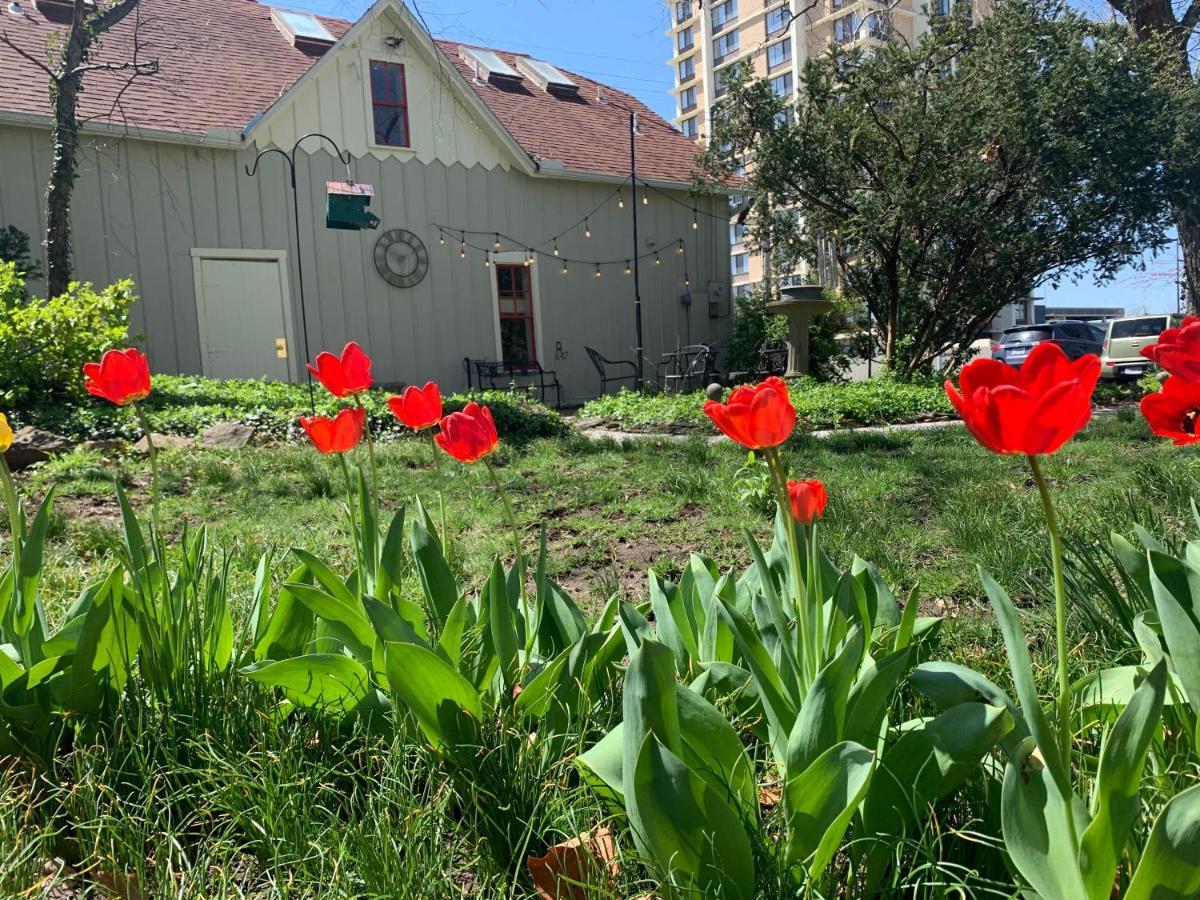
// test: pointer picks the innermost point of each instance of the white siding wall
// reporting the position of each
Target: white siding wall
(141, 207)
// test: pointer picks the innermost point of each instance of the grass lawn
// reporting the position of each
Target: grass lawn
(236, 804)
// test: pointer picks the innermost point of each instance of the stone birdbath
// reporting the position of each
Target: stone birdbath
(799, 304)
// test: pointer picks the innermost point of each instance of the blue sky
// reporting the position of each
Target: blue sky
(624, 43)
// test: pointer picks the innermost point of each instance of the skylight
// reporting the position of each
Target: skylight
(487, 64)
(549, 78)
(302, 28)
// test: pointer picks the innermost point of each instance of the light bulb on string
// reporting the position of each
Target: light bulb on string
(597, 275)
(527, 259)
(564, 268)
(441, 236)
(587, 228)
(532, 257)
(620, 199)
(496, 246)
(556, 246)
(687, 282)
(462, 251)
(645, 198)
(657, 259)
(487, 260)
(627, 269)
(679, 248)
(695, 221)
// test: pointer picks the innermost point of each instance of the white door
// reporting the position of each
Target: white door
(242, 305)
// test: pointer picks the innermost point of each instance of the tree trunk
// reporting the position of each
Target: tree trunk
(1187, 223)
(65, 139)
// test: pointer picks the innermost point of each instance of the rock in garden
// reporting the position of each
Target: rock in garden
(164, 442)
(226, 436)
(32, 445)
(103, 445)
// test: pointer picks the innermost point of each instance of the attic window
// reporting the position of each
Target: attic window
(305, 31)
(549, 78)
(489, 67)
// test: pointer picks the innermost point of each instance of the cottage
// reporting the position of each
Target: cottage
(501, 184)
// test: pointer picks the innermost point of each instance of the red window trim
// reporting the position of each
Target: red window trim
(401, 104)
(521, 277)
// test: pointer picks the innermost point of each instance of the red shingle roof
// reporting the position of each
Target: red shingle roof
(223, 62)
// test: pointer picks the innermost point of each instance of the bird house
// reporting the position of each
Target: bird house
(346, 206)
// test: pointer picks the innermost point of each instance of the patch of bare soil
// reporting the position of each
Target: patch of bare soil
(624, 572)
(101, 508)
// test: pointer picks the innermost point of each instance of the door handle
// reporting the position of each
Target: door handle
(281, 348)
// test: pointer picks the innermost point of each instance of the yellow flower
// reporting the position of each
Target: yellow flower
(6, 435)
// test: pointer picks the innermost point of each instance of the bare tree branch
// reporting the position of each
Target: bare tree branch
(28, 57)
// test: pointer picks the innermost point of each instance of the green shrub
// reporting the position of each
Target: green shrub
(44, 343)
(14, 248)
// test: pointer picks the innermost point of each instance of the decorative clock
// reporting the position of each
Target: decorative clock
(401, 258)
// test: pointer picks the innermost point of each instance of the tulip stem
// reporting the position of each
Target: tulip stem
(152, 452)
(15, 524)
(1060, 614)
(437, 464)
(808, 661)
(512, 521)
(370, 451)
(350, 506)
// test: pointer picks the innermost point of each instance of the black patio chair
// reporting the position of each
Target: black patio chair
(604, 365)
(691, 368)
(772, 358)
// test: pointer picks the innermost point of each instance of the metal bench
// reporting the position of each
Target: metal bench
(497, 375)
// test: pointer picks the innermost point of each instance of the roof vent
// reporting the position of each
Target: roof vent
(549, 78)
(490, 67)
(303, 30)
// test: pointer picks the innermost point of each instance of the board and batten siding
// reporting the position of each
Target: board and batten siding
(141, 207)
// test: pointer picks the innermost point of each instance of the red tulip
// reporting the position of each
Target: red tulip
(469, 435)
(1032, 410)
(756, 416)
(121, 376)
(1178, 350)
(351, 374)
(336, 435)
(418, 408)
(1173, 411)
(808, 500)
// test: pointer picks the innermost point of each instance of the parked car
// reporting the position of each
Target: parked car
(1076, 339)
(1122, 356)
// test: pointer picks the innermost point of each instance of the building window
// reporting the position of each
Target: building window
(721, 82)
(389, 101)
(779, 53)
(785, 118)
(741, 291)
(724, 14)
(777, 20)
(737, 232)
(683, 40)
(845, 29)
(690, 127)
(687, 100)
(687, 69)
(725, 45)
(741, 263)
(940, 7)
(879, 26)
(683, 11)
(782, 86)
(518, 340)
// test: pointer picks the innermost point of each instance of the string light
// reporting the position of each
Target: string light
(679, 248)
(587, 228)
(564, 268)
(462, 251)
(487, 260)
(657, 259)
(556, 246)
(627, 269)
(645, 198)
(527, 259)
(496, 246)
(532, 257)
(620, 199)
(695, 221)
(686, 281)
(597, 275)
(441, 236)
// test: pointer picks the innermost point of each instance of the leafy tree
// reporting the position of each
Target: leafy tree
(14, 248)
(953, 177)
(69, 59)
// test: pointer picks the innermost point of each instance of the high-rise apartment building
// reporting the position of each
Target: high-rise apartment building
(777, 36)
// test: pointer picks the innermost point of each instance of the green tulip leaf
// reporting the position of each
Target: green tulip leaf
(820, 801)
(1176, 590)
(437, 582)
(1170, 865)
(821, 721)
(329, 682)
(446, 705)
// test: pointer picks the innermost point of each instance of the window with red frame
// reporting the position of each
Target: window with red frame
(518, 342)
(389, 101)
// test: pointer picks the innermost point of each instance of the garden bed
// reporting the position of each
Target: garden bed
(819, 406)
